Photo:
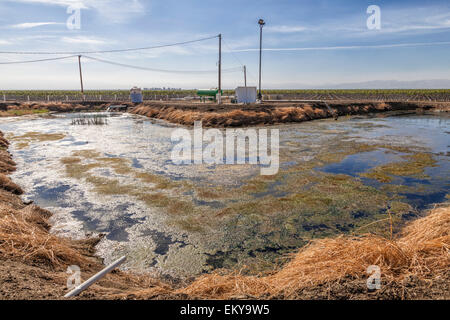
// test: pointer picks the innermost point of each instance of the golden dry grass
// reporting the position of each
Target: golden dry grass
(8, 185)
(421, 250)
(6, 164)
(18, 109)
(24, 235)
(232, 118)
(247, 116)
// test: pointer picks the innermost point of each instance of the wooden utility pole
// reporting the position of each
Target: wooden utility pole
(245, 76)
(81, 75)
(219, 100)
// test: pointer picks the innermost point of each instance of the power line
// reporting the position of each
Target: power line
(161, 70)
(238, 60)
(232, 53)
(235, 69)
(111, 51)
(40, 60)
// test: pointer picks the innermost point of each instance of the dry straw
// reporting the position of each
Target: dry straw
(421, 250)
(24, 235)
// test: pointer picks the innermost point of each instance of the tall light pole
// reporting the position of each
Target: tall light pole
(245, 76)
(219, 100)
(81, 75)
(261, 25)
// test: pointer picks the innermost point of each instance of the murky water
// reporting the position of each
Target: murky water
(118, 179)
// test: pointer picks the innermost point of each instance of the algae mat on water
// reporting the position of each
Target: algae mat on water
(261, 219)
(185, 220)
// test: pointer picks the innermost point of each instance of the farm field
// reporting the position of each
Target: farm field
(120, 95)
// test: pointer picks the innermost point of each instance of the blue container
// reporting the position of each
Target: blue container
(136, 95)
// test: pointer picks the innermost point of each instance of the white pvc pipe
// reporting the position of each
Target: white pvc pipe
(95, 278)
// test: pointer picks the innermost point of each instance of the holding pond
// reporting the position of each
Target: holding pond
(335, 177)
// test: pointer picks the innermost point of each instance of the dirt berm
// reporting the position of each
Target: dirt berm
(267, 113)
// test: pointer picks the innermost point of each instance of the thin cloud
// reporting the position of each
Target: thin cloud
(82, 40)
(116, 11)
(285, 29)
(419, 44)
(445, 24)
(29, 25)
(66, 3)
(404, 21)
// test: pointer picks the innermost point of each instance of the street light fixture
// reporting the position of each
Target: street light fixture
(261, 23)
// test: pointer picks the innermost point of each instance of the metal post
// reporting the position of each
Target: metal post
(81, 75)
(219, 100)
(245, 76)
(261, 24)
(95, 278)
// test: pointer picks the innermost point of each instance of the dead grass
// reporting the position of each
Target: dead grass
(267, 113)
(24, 235)
(8, 185)
(422, 250)
(7, 165)
(233, 118)
(4, 144)
(29, 108)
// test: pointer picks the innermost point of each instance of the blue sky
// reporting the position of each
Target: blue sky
(309, 43)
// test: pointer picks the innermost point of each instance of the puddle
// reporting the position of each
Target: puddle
(362, 162)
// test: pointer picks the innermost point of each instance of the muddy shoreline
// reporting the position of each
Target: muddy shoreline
(33, 262)
(34, 268)
(269, 113)
(232, 115)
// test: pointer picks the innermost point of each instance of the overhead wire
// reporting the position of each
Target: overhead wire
(109, 51)
(84, 55)
(235, 69)
(238, 60)
(229, 70)
(39, 60)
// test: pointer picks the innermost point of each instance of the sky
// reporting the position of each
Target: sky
(307, 44)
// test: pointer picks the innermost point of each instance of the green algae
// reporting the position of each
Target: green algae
(23, 141)
(146, 188)
(414, 165)
(265, 216)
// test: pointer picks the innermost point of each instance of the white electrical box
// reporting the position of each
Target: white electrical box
(246, 94)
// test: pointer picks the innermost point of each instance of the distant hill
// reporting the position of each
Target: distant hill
(390, 84)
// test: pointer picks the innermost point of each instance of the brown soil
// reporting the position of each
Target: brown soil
(233, 115)
(414, 265)
(8, 109)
